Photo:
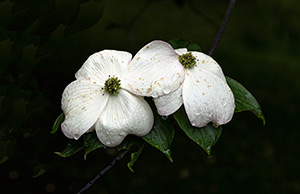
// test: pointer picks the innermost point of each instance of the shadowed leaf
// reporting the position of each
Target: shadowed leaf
(127, 144)
(244, 100)
(91, 143)
(206, 137)
(57, 123)
(161, 135)
(72, 147)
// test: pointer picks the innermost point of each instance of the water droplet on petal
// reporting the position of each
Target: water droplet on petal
(154, 95)
(193, 123)
(197, 112)
(76, 136)
(167, 90)
(223, 102)
(164, 117)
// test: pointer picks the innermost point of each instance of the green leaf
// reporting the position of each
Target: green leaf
(206, 137)
(3, 159)
(38, 171)
(72, 147)
(91, 143)
(89, 14)
(129, 142)
(57, 123)
(244, 100)
(180, 43)
(161, 135)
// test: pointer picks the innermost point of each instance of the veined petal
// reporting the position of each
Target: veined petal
(102, 64)
(204, 62)
(82, 103)
(154, 71)
(124, 114)
(170, 103)
(207, 98)
(207, 63)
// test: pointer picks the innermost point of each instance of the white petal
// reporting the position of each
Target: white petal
(207, 63)
(170, 103)
(103, 64)
(82, 103)
(181, 51)
(154, 71)
(207, 98)
(124, 114)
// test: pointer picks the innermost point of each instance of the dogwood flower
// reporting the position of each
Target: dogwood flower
(103, 95)
(204, 92)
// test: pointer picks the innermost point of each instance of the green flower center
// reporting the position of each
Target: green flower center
(112, 85)
(187, 60)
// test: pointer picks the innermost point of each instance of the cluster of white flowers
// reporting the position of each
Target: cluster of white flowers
(108, 93)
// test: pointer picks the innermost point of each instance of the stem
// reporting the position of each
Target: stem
(222, 27)
(100, 174)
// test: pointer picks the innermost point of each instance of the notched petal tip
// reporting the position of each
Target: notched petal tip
(71, 134)
(207, 98)
(124, 114)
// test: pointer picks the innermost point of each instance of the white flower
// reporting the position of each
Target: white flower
(101, 97)
(204, 92)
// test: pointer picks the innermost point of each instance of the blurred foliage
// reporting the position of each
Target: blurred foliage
(43, 44)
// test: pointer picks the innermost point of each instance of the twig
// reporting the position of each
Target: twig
(222, 27)
(100, 174)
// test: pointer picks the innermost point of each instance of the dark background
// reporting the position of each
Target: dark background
(43, 44)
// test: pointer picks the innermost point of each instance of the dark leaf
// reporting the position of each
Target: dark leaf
(72, 147)
(89, 14)
(180, 43)
(38, 171)
(3, 159)
(132, 141)
(161, 135)
(244, 100)
(206, 137)
(91, 143)
(57, 123)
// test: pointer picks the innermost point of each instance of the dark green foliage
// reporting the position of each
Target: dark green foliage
(58, 122)
(128, 143)
(91, 143)
(162, 134)
(180, 43)
(72, 148)
(244, 100)
(206, 137)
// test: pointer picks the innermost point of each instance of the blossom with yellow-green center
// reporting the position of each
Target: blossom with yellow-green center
(107, 95)
(204, 92)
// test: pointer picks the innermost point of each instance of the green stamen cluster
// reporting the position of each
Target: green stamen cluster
(112, 85)
(187, 60)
